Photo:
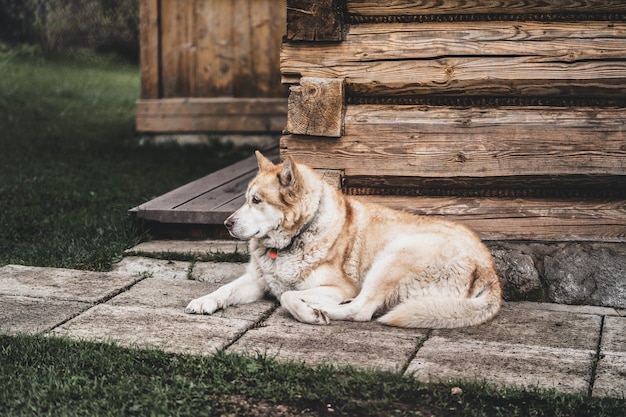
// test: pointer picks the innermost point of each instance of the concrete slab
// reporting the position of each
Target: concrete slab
(176, 294)
(520, 347)
(153, 268)
(611, 370)
(501, 364)
(600, 311)
(364, 345)
(190, 246)
(61, 284)
(151, 314)
(219, 272)
(32, 315)
(544, 328)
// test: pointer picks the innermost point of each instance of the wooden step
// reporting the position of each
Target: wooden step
(198, 209)
(195, 208)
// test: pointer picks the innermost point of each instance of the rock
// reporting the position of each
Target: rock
(592, 274)
(520, 278)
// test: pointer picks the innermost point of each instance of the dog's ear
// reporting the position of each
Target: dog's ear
(264, 163)
(288, 174)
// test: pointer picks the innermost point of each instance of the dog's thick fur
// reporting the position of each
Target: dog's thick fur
(327, 257)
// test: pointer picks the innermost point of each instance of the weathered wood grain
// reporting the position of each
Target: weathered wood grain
(440, 7)
(207, 200)
(447, 142)
(316, 20)
(149, 48)
(480, 58)
(523, 219)
(261, 115)
(315, 107)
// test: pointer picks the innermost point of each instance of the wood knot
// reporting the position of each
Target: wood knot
(460, 157)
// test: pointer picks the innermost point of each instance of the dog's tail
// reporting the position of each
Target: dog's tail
(449, 312)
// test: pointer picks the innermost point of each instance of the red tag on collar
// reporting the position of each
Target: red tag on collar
(273, 253)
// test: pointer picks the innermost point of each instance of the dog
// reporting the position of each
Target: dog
(326, 256)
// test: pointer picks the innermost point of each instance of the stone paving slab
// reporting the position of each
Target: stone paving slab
(152, 314)
(520, 347)
(61, 284)
(501, 364)
(600, 311)
(611, 371)
(152, 268)
(20, 314)
(364, 345)
(190, 246)
(141, 303)
(220, 272)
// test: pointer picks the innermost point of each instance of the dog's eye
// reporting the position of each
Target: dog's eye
(255, 200)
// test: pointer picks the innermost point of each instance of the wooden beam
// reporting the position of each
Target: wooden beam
(440, 142)
(246, 115)
(452, 7)
(316, 20)
(469, 59)
(523, 219)
(150, 44)
(316, 107)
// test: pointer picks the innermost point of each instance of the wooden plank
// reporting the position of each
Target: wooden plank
(242, 50)
(556, 41)
(443, 7)
(436, 142)
(260, 22)
(475, 58)
(278, 30)
(497, 76)
(207, 200)
(212, 115)
(316, 107)
(523, 219)
(149, 47)
(221, 65)
(170, 68)
(316, 20)
(207, 14)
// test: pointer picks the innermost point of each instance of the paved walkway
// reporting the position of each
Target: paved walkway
(141, 302)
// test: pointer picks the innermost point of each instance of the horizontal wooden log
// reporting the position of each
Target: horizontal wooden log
(441, 7)
(523, 219)
(435, 142)
(263, 115)
(482, 58)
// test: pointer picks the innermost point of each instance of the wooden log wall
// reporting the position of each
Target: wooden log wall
(503, 114)
(211, 65)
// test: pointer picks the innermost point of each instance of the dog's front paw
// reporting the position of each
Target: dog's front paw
(202, 305)
(321, 317)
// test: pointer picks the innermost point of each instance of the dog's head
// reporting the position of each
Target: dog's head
(273, 210)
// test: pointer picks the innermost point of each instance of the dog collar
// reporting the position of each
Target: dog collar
(273, 252)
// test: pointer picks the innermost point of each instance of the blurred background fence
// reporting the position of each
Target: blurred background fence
(61, 26)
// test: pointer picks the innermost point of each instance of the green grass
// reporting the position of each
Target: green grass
(71, 165)
(59, 377)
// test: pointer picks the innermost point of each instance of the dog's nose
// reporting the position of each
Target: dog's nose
(229, 223)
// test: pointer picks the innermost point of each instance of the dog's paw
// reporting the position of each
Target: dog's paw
(202, 305)
(321, 317)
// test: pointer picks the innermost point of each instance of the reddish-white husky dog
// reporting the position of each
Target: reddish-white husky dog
(327, 257)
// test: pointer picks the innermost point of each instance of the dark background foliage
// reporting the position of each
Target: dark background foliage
(59, 26)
